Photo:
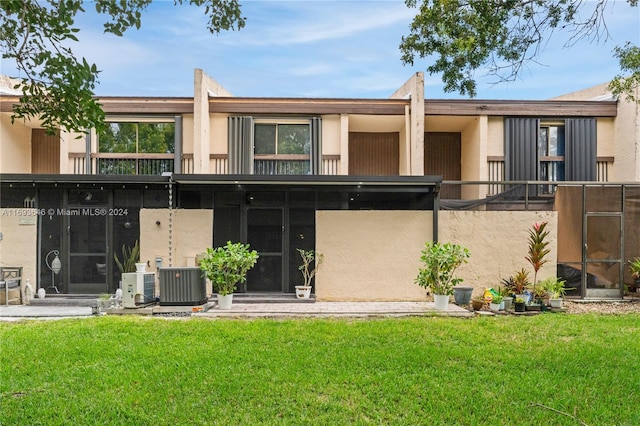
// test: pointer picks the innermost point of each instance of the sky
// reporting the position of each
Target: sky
(324, 49)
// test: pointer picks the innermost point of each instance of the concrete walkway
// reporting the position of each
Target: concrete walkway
(246, 310)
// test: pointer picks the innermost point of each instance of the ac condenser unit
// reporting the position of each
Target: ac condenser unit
(182, 286)
(138, 288)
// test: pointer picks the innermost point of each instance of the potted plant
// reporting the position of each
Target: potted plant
(538, 250)
(227, 266)
(496, 303)
(104, 302)
(130, 257)
(477, 303)
(308, 272)
(519, 284)
(519, 304)
(440, 262)
(555, 288)
(634, 267)
(507, 297)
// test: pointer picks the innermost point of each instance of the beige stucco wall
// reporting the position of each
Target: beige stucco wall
(605, 129)
(498, 243)
(192, 233)
(219, 132)
(375, 255)
(187, 134)
(474, 156)
(15, 146)
(18, 246)
(331, 134)
(370, 255)
(495, 137)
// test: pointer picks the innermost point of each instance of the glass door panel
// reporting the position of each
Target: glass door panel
(264, 234)
(87, 253)
(603, 253)
(301, 236)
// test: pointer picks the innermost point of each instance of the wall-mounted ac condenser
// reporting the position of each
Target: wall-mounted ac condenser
(182, 286)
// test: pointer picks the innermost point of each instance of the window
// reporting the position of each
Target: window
(550, 149)
(145, 138)
(133, 147)
(282, 148)
(551, 144)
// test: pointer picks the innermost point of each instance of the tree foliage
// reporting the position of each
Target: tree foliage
(56, 86)
(503, 36)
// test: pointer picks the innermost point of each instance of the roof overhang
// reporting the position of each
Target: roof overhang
(25, 178)
(361, 183)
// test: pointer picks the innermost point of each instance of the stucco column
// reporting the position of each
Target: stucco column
(344, 144)
(203, 87)
(413, 89)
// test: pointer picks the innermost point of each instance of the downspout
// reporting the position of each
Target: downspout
(170, 220)
(436, 207)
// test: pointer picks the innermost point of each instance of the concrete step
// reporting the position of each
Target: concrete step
(270, 298)
(65, 300)
(92, 300)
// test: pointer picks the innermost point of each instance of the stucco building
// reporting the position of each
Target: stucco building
(364, 181)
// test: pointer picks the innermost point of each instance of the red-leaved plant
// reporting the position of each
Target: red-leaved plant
(538, 250)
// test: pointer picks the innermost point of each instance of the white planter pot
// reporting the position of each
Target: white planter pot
(141, 267)
(303, 291)
(507, 303)
(555, 303)
(224, 302)
(441, 302)
(495, 307)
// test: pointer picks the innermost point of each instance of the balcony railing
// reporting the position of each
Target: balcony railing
(497, 174)
(132, 164)
(291, 164)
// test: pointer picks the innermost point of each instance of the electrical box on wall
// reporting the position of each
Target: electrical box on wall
(138, 288)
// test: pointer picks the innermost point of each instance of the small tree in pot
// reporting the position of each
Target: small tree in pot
(227, 266)
(440, 264)
(308, 271)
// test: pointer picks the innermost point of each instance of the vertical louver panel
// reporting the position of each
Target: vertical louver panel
(442, 157)
(45, 152)
(374, 154)
(177, 145)
(316, 145)
(580, 149)
(240, 138)
(521, 148)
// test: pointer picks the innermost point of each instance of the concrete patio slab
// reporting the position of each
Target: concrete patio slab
(248, 310)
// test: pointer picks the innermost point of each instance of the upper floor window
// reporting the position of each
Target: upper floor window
(551, 143)
(550, 149)
(275, 146)
(282, 148)
(136, 148)
(136, 137)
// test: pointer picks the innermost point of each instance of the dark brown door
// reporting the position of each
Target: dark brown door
(374, 154)
(442, 157)
(45, 152)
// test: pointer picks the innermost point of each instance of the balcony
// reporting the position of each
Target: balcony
(123, 163)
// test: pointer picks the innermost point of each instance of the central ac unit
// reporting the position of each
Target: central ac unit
(138, 288)
(182, 286)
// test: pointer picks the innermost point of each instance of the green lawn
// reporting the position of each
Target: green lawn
(153, 371)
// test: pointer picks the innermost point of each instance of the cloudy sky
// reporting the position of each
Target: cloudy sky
(317, 49)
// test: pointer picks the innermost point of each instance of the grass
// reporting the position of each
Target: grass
(151, 371)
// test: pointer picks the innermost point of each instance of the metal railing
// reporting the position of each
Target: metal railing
(281, 167)
(133, 166)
